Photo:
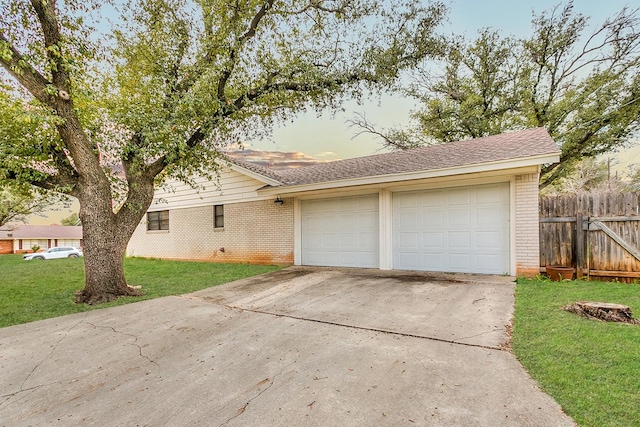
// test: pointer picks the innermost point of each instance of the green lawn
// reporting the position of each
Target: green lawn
(35, 290)
(591, 368)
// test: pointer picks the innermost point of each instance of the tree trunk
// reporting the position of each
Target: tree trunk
(106, 235)
(104, 250)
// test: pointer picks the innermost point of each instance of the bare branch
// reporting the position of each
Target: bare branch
(366, 127)
(233, 53)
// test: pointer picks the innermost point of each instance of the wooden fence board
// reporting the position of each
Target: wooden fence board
(611, 252)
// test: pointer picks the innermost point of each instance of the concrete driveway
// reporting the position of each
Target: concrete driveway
(298, 347)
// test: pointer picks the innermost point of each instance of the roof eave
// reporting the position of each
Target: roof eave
(410, 176)
(269, 181)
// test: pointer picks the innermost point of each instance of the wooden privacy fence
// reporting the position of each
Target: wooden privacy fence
(597, 234)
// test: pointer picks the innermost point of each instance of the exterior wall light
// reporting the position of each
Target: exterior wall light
(279, 201)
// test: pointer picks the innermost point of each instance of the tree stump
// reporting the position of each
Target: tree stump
(603, 311)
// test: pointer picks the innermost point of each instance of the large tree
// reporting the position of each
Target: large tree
(174, 81)
(581, 82)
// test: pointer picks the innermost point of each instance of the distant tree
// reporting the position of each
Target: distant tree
(72, 219)
(589, 175)
(634, 178)
(16, 204)
(582, 85)
(174, 82)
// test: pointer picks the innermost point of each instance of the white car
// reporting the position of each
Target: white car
(53, 253)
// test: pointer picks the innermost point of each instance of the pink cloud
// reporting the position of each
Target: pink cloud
(275, 159)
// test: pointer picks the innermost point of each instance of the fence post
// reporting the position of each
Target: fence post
(579, 244)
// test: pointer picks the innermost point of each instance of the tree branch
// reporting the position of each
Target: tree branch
(24, 73)
(366, 127)
(41, 179)
(46, 12)
(233, 53)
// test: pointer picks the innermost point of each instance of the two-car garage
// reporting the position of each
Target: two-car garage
(460, 229)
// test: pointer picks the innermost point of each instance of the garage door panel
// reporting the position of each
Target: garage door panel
(368, 240)
(433, 240)
(340, 232)
(346, 222)
(460, 218)
(488, 195)
(460, 229)
(314, 239)
(492, 240)
(408, 240)
(431, 261)
(431, 219)
(409, 202)
(367, 203)
(494, 216)
(348, 240)
(408, 259)
(459, 197)
(488, 260)
(459, 262)
(411, 218)
(436, 200)
(459, 239)
(367, 220)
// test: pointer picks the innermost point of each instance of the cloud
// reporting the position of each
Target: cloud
(326, 154)
(277, 159)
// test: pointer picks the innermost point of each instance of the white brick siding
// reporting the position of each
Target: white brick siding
(258, 232)
(527, 225)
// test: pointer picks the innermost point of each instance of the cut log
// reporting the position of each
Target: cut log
(603, 311)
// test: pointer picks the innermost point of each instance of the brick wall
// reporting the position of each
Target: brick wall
(6, 246)
(259, 232)
(527, 226)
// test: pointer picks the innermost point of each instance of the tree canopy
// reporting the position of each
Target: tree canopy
(17, 203)
(579, 81)
(104, 115)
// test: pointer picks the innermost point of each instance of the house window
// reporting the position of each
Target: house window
(218, 216)
(158, 220)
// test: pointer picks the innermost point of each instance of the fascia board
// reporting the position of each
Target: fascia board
(409, 176)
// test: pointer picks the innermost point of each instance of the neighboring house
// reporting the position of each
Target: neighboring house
(468, 206)
(21, 238)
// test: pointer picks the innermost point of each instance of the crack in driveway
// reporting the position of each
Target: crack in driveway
(135, 341)
(22, 389)
(8, 397)
(244, 408)
(363, 328)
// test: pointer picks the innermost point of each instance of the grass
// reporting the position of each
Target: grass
(35, 290)
(591, 368)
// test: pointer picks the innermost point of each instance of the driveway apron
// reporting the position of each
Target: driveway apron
(298, 347)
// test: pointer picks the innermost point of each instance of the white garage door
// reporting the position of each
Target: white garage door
(462, 229)
(341, 232)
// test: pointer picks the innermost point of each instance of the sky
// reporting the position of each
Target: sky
(329, 137)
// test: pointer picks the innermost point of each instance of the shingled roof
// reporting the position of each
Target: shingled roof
(268, 173)
(41, 232)
(504, 147)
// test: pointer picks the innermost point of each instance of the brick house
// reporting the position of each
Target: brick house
(469, 206)
(21, 238)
